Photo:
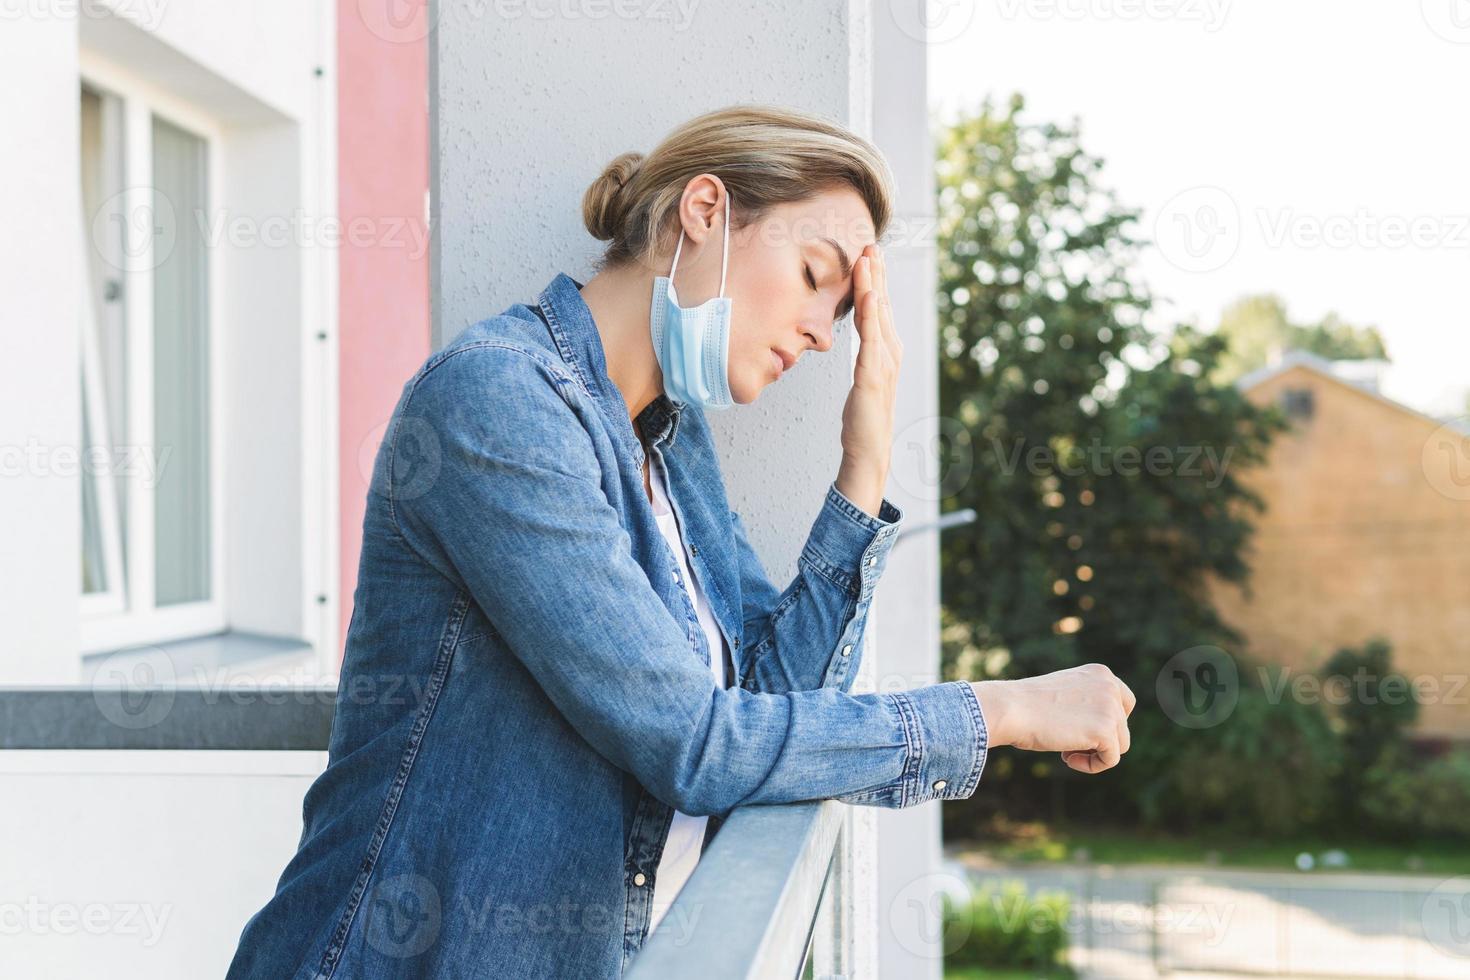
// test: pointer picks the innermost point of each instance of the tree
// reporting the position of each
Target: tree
(1257, 327)
(1103, 457)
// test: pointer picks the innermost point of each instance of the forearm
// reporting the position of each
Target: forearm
(811, 634)
(862, 483)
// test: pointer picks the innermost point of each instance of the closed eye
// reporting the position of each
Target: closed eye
(810, 280)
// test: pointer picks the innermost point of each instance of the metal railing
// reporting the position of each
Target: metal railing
(750, 907)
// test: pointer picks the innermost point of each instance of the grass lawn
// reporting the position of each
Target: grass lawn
(1035, 843)
(974, 973)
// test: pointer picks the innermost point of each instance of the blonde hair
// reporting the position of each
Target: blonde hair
(766, 155)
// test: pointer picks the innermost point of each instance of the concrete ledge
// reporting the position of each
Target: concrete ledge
(281, 719)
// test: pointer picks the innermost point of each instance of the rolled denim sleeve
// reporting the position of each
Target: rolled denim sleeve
(945, 728)
(811, 633)
(494, 479)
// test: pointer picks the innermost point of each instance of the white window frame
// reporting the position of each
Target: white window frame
(103, 625)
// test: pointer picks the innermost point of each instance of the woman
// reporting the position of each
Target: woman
(565, 663)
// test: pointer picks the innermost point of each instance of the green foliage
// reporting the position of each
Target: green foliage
(1102, 459)
(1374, 708)
(1375, 703)
(1270, 768)
(1007, 927)
(1401, 799)
(1255, 326)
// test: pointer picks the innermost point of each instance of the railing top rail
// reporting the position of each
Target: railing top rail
(748, 909)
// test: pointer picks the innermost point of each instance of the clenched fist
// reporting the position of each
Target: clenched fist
(1081, 712)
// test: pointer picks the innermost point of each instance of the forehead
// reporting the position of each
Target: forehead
(838, 213)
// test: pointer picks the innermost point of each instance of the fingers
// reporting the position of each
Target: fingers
(1090, 762)
(865, 301)
(874, 311)
(1107, 751)
(885, 307)
(1127, 695)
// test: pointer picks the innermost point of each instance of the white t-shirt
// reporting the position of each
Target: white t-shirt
(686, 833)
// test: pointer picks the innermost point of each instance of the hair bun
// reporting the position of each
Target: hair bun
(602, 207)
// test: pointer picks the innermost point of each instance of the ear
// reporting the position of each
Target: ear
(702, 206)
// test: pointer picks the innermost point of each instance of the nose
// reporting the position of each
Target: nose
(821, 338)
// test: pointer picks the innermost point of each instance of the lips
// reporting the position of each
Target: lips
(784, 361)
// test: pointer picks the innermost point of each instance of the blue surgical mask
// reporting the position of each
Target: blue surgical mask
(693, 344)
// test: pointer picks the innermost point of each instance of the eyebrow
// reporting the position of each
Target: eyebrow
(845, 265)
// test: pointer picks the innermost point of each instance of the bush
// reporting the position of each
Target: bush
(1431, 799)
(1373, 718)
(1007, 927)
(1268, 769)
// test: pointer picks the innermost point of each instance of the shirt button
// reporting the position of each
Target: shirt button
(847, 650)
(939, 784)
(639, 879)
(694, 550)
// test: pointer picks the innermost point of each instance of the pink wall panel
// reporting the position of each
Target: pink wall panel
(383, 172)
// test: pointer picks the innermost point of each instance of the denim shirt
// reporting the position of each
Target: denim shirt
(525, 695)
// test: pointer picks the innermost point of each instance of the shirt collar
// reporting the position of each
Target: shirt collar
(580, 345)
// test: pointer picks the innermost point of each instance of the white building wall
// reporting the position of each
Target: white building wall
(40, 534)
(147, 864)
(263, 73)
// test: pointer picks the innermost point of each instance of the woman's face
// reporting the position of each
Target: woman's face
(789, 279)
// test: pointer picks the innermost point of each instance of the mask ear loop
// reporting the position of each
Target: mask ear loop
(725, 256)
(724, 259)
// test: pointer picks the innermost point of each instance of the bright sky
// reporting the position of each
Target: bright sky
(1318, 150)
